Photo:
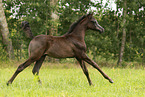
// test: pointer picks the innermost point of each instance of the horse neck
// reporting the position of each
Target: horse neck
(79, 32)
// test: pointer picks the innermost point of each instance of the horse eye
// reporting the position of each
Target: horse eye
(93, 21)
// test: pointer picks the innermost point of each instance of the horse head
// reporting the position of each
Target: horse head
(92, 23)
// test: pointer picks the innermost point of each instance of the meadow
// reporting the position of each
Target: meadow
(68, 80)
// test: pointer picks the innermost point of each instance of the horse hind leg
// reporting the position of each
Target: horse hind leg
(19, 69)
(37, 66)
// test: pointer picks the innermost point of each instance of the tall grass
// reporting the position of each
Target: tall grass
(66, 80)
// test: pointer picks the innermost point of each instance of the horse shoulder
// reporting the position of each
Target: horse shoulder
(79, 44)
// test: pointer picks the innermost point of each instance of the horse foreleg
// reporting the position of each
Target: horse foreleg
(19, 69)
(85, 70)
(37, 66)
(89, 61)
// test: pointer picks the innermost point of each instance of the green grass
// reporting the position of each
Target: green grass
(63, 81)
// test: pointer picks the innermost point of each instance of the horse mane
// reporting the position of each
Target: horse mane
(73, 25)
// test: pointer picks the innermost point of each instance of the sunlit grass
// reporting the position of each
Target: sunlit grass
(63, 81)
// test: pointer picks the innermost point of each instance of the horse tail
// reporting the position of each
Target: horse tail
(26, 28)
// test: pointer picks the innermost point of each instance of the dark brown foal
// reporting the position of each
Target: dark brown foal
(70, 45)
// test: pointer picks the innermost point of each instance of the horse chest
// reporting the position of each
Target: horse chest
(80, 46)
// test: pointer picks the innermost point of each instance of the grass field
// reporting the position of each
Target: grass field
(63, 81)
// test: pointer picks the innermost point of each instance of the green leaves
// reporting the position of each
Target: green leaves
(39, 14)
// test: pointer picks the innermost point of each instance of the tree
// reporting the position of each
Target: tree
(132, 31)
(124, 34)
(54, 17)
(123, 39)
(4, 31)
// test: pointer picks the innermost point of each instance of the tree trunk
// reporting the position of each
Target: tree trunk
(53, 22)
(124, 34)
(54, 17)
(7, 42)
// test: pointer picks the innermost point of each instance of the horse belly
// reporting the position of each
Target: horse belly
(60, 52)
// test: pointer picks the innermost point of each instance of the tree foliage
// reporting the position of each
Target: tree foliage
(107, 45)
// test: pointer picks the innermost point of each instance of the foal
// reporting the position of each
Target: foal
(70, 45)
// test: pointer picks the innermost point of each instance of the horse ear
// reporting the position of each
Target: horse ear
(90, 15)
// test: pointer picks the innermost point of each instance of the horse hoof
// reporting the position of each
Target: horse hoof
(39, 81)
(111, 81)
(8, 83)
